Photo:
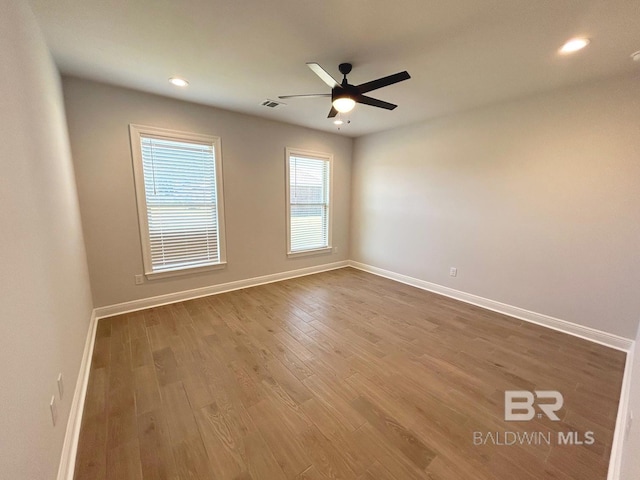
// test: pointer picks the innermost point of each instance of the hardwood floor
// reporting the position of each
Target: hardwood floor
(340, 375)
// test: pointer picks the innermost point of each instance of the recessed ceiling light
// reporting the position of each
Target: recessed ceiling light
(178, 82)
(574, 45)
(337, 121)
(636, 56)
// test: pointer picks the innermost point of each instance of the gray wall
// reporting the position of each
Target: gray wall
(253, 155)
(536, 202)
(45, 301)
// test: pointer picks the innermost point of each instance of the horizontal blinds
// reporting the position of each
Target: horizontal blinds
(181, 197)
(309, 203)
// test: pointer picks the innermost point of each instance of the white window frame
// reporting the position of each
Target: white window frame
(297, 152)
(136, 131)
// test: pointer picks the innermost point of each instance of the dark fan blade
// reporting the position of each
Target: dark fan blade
(310, 95)
(324, 76)
(332, 113)
(383, 82)
(374, 102)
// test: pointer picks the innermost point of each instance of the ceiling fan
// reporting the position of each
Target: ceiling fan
(344, 96)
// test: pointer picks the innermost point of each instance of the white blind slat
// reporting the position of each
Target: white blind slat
(181, 199)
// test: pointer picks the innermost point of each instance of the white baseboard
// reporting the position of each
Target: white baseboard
(70, 446)
(617, 447)
(66, 468)
(587, 333)
(144, 303)
(67, 461)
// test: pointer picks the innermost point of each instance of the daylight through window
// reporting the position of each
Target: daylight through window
(179, 199)
(309, 179)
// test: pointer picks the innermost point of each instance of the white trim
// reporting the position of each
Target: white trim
(315, 251)
(176, 272)
(67, 465)
(150, 302)
(586, 333)
(619, 434)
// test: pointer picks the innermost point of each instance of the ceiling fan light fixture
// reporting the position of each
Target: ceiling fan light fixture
(344, 104)
(344, 96)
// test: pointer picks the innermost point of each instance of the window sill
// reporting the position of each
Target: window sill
(184, 271)
(315, 251)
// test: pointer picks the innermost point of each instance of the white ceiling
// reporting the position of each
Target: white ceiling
(236, 53)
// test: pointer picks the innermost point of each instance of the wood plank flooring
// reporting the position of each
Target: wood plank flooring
(339, 375)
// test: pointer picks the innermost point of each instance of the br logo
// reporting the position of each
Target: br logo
(519, 404)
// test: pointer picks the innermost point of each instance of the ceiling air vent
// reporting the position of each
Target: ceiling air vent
(272, 103)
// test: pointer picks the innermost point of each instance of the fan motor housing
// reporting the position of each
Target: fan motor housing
(344, 91)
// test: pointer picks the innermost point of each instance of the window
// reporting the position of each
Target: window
(308, 202)
(180, 205)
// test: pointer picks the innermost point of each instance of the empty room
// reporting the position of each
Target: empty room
(320, 240)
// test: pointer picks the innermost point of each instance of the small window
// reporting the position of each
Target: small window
(308, 202)
(180, 205)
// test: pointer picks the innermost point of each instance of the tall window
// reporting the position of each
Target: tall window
(308, 202)
(179, 191)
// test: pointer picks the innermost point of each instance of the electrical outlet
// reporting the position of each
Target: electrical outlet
(54, 410)
(139, 279)
(60, 386)
(629, 423)
(453, 271)
(335, 249)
